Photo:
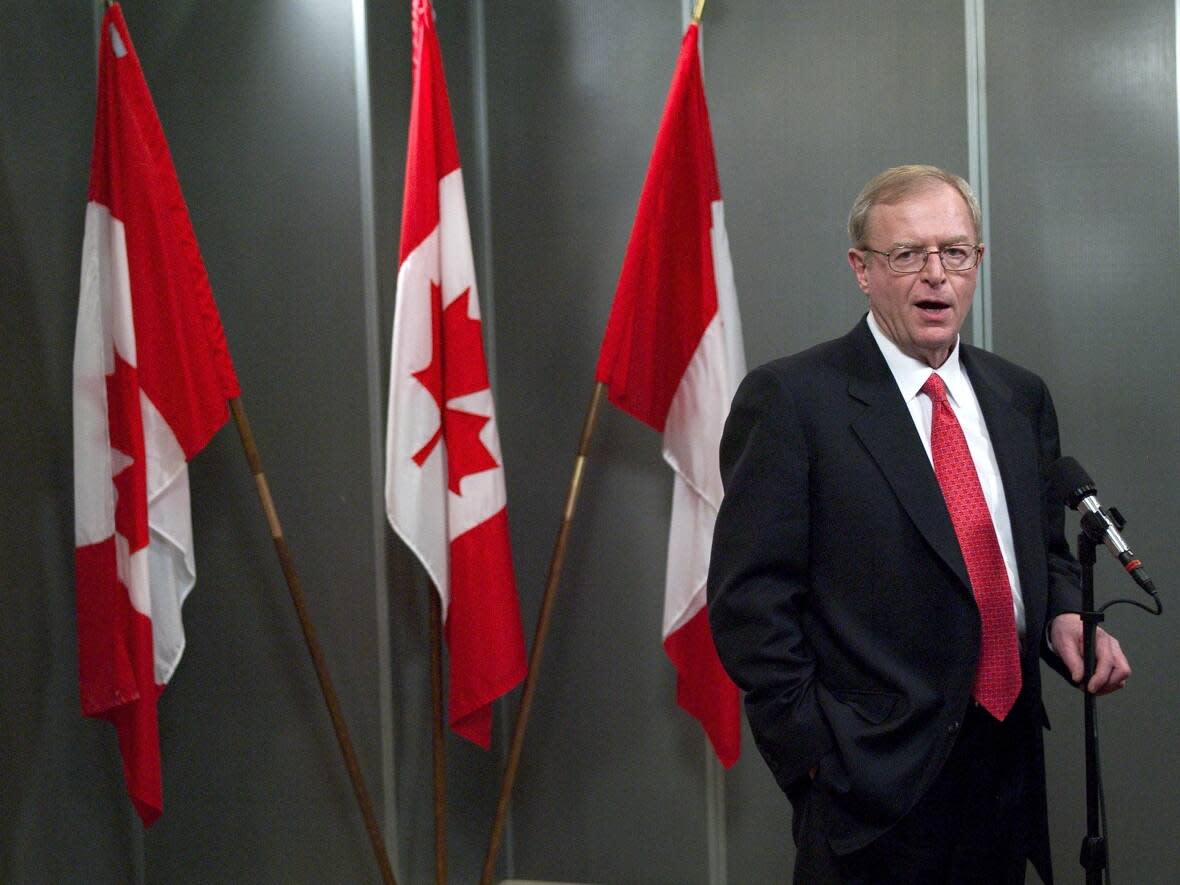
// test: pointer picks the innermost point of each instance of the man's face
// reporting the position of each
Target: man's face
(920, 312)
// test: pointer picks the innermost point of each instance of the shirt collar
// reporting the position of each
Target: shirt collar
(910, 374)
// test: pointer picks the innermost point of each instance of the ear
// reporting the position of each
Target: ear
(858, 261)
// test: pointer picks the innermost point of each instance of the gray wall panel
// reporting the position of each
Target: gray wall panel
(808, 101)
(259, 106)
(576, 90)
(1082, 109)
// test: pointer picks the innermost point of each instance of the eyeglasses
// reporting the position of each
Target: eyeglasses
(956, 257)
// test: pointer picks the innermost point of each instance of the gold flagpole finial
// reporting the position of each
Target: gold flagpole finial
(696, 12)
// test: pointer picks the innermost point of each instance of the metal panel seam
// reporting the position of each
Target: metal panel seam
(715, 831)
(974, 14)
(372, 308)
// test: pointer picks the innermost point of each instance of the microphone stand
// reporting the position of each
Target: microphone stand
(1093, 857)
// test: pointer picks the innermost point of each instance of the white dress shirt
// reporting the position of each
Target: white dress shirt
(910, 374)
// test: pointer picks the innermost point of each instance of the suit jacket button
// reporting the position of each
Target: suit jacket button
(952, 728)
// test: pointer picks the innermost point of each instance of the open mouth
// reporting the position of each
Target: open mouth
(932, 307)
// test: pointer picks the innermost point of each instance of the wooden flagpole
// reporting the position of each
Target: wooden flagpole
(313, 644)
(554, 577)
(437, 745)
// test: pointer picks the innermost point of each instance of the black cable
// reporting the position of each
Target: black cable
(1158, 610)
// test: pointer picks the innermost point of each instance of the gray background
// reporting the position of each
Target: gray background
(270, 137)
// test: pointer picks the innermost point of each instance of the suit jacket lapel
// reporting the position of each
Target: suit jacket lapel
(887, 431)
(1014, 442)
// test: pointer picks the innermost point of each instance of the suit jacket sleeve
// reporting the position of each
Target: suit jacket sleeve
(758, 577)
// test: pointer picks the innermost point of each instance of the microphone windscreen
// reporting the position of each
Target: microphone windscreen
(1068, 480)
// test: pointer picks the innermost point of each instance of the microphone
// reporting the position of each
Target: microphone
(1071, 484)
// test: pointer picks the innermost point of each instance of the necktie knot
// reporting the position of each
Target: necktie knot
(934, 388)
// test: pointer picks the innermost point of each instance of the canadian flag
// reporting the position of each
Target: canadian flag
(444, 481)
(152, 374)
(672, 357)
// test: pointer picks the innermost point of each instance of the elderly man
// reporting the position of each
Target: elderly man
(887, 568)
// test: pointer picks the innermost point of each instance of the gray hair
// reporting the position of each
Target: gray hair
(896, 184)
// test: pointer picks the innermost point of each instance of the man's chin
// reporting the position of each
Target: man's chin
(934, 351)
(938, 335)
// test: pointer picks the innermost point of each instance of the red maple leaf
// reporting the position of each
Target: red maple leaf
(125, 425)
(456, 369)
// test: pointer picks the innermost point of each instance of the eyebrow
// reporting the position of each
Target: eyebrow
(951, 241)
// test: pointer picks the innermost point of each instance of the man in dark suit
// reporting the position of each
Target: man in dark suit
(888, 568)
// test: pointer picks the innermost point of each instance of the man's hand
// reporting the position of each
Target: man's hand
(1111, 667)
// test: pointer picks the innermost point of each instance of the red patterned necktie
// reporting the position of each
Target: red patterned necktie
(997, 679)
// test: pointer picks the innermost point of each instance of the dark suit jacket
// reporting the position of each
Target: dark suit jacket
(838, 596)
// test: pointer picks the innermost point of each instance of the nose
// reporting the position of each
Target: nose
(932, 271)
